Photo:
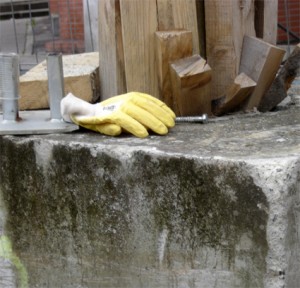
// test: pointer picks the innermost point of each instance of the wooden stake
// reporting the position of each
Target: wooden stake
(260, 61)
(226, 24)
(266, 14)
(283, 81)
(191, 79)
(170, 46)
(235, 95)
(111, 56)
(139, 24)
(179, 14)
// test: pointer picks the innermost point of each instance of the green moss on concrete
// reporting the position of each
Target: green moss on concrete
(203, 204)
(107, 212)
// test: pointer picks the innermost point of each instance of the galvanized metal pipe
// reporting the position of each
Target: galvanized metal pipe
(55, 84)
(9, 85)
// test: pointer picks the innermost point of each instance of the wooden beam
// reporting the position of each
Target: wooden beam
(235, 95)
(226, 24)
(81, 77)
(260, 61)
(283, 81)
(191, 78)
(266, 14)
(111, 54)
(139, 24)
(170, 46)
(201, 26)
(179, 14)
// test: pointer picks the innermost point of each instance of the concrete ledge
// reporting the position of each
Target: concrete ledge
(214, 205)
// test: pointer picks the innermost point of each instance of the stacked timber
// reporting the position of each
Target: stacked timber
(198, 56)
(207, 56)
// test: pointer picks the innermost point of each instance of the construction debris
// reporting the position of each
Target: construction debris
(283, 81)
(235, 95)
(260, 61)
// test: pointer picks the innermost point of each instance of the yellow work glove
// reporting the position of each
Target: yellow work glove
(133, 112)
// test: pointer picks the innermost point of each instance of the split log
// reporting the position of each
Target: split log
(191, 78)
(81, 77)
(170, 46)
(235, 95)
(283, 81)
(226, 24)
(260, 61)
(111, 56)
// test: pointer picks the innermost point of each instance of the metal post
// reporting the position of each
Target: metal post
(55, 84)
(31, 122)
(9, 85)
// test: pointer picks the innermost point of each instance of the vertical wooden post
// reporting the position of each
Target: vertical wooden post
(139, 24)
(127, 41)
(226, 23)
(266, 14)
(111, 56)
(179, 14)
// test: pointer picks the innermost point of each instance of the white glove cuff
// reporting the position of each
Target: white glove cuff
(72, 105)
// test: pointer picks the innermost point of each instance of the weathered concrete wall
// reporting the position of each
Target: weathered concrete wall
(215, 205)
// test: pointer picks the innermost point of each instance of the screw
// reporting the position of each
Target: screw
(192, 119)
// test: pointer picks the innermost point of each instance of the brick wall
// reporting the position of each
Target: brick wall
(71, 26)
(294, 20)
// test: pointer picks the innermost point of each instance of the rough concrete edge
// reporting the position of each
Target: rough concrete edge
(276, 177)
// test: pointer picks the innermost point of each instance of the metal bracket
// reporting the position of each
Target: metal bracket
(15, 122)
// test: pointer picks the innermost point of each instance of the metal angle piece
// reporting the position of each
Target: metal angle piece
(14, 122)
(35, 122)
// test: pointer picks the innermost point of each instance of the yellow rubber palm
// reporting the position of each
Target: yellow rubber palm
(133, 112)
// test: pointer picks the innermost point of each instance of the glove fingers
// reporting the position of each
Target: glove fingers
(154, 109)
(159, 103)
(109, 129)
(145, 118)
(129, 124)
